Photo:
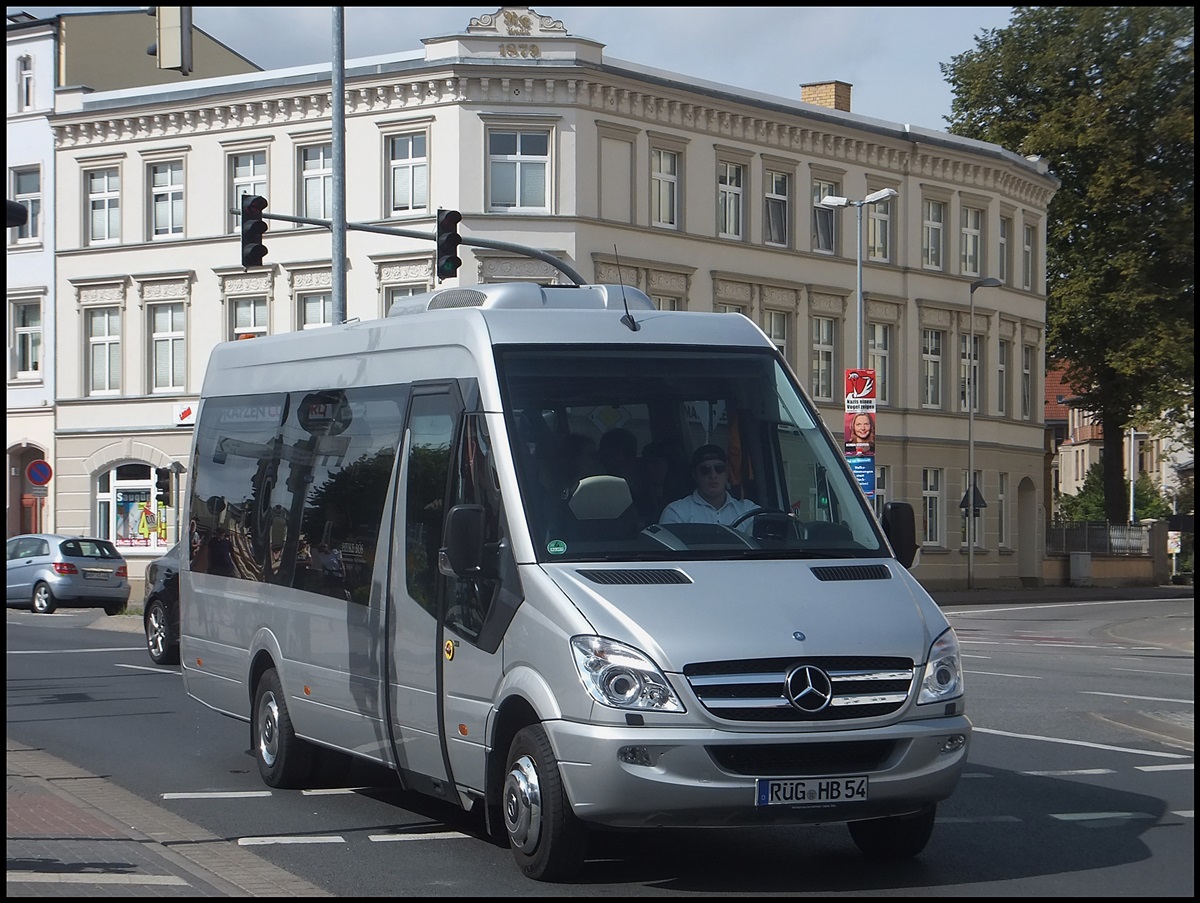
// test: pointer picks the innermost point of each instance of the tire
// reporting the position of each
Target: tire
(284, 760)
(895, 837)
(44, 602)
(158, 635)
(115, 608)
(547, 840)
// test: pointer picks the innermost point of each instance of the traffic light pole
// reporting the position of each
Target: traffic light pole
(536, 253)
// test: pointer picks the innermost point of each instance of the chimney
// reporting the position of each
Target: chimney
(835, 95)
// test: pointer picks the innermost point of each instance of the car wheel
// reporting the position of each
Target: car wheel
(284, 760)
(547, 840)
(158, 635)
(44, 602)
(895, 837)
(115, 608)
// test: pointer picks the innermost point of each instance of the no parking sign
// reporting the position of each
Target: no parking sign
(39, 473)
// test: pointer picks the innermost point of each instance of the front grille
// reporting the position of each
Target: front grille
(778, 760)
(753, 689)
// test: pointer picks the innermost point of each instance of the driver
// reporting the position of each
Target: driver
(711, 503)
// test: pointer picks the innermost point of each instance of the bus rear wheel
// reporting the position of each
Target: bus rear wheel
(284, 760)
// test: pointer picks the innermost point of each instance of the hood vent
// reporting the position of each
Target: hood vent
(853, 572)
(638, 576)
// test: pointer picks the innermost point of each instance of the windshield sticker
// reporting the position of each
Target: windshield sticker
(556, 547)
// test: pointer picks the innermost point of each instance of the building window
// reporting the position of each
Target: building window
(879, 359)
(972, 241)
(519, 163)
(249, 317)
(776, 228)
(666, 302)
(247, 175)
(128, 513)
(24, 83)
(664, 183)
(1002, 510)
(730, 309)
(104, 351)
(729, 200)
(394, 293)
(824, 218)
(1002, 378)
(882, 478)
(316, 168)
(408, 164)
(104, 206)
(27, 191)
(316, 310)
(931, 368)
(168, 343)
(824, 332)
(1005, 250)
(1026, 382)
(27, 339)
(976, 523)
(1027, 258)
(968, 370)
(879, 232)
(932, 234)
(166, 199)
(776, 328)
(931, 507)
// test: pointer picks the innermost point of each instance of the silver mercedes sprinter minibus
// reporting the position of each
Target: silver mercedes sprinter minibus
(423, 546)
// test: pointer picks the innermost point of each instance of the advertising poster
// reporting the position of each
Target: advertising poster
(858, 430)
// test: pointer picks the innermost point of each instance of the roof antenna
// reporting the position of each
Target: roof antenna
(628, 319)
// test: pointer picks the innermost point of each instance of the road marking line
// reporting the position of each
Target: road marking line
(1003, 674)
(1124, 749)
(1099, 816)
(334, 791)
(441, 835)
(266, 841)
(1174, 766)
(1144, 698)
(1068, 773)
(217, 795)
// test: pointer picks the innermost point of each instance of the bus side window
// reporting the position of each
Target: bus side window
(431, 429)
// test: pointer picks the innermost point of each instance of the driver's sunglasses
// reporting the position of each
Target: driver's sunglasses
(707, 469)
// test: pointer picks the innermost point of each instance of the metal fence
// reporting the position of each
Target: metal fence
(1099, 539)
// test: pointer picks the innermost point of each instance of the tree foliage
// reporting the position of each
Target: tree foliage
(1106, 96)
(1088, 503)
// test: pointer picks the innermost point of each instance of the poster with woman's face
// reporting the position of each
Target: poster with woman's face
(860, 433)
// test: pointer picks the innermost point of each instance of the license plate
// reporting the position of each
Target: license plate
(810, 791)
(96, 575)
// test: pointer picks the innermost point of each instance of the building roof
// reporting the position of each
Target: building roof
(1058, 394)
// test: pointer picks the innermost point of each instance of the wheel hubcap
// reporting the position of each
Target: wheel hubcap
(523, 805)
(268, 730)
(158, 632)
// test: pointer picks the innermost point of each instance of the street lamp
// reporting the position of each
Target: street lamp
(971, 490)
(875, 197)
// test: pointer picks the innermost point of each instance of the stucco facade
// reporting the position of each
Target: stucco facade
(700, 195)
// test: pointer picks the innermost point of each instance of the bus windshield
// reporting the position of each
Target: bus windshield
(606, 439)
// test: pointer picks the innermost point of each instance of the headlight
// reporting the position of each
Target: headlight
(622, 677)
(943, 678)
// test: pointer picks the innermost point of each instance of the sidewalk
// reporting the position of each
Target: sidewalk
(71, 833)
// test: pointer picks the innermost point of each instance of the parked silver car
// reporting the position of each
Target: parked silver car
(46, 570)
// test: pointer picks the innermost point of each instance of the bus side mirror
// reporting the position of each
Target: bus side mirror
(900, 525)
(462, 552)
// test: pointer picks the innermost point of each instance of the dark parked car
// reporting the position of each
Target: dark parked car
(46, 570)
(160, 612)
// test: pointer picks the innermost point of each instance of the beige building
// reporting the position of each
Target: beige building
(702, 196)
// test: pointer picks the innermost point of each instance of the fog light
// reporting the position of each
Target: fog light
(954, 743)
(634, 755)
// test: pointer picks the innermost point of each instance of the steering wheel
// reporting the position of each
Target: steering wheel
(759, 512)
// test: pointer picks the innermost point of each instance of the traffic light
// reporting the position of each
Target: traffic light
(162, 486)
(448, 241)
(253, 229)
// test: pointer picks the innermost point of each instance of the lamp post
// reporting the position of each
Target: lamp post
(875, 197)
(971, 510)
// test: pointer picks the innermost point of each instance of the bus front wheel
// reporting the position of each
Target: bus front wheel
(284, 760)
(547, 840)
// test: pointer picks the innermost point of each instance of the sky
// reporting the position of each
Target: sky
(890, 55)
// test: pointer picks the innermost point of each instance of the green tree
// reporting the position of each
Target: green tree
(1106, 95)
(1088, 503)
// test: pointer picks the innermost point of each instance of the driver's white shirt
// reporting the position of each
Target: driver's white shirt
(693, 509)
